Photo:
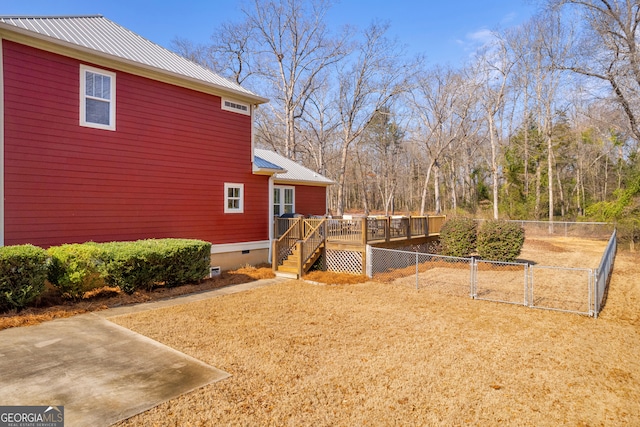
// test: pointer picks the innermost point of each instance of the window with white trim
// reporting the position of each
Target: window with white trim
(236, 106)
(233, 198)
(97, 98)
(283, 200)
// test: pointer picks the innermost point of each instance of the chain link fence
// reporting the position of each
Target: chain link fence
(500, 281)
(588, 230)
(573, 290)
(449, 275)
(561, 288)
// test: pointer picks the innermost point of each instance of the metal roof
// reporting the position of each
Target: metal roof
(107, 38)
(261, 163)
(295, 173)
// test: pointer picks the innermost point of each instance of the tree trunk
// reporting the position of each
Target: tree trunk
(425, 188)
(341, 179)
(561, 194)
(454, 193)
(538, 190)
(550, 173)
(494, 164)
(436, 188)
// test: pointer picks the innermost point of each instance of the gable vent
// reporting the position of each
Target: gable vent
(235, 106)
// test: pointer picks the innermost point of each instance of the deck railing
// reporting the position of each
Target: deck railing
(286, 239)
(435, 223)
(306, 234)
(345, 230)
(377, 229)
(314, 237)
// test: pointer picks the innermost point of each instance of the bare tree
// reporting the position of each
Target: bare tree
(442, 101)
(609, 50)
(375, 73)
(552, 48)
(319, 128)
(292, 48)
(493, 69)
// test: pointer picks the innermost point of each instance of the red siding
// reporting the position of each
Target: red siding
(311, 200)
(160, 174)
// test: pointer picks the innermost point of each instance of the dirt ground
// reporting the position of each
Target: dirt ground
(384, 354)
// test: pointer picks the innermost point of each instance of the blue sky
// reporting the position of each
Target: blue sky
(446, 31)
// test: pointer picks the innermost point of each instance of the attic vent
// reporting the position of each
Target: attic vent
(235, 106)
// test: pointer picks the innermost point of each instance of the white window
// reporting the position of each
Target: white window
(97, 98)
(233, 198)
(236, 106)
(283, 200)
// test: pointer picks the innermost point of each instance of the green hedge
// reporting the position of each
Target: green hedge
(23, 270)
(500, 240)
(145, 263)
(458, 237)
(76, 268)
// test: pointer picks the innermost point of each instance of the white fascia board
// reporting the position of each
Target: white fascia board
(280, 181)
(265, 171)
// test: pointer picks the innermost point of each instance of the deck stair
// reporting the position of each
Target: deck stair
(296, 256)
(291, 264)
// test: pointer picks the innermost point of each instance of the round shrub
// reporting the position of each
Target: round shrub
(500, 240)
(23, 270)
(458, 237)
(75, 268)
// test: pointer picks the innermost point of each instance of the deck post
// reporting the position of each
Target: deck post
(364, 231)
(387, 229)
(409, 231)
(301, 225)
(299, 245)
(274, 257)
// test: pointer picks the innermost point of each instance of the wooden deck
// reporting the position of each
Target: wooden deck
(299, 241)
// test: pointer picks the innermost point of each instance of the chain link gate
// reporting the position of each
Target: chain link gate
(500, 281)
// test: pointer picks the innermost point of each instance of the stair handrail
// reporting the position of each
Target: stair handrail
(285, 243)
(312, 240)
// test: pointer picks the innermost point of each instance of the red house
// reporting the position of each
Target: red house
(107, 136)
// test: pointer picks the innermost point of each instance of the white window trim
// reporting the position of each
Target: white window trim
(227, 186)
(235, 110)
(112, 102)
(282, 188)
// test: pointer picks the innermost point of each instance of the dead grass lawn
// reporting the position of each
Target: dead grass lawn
(384, 354)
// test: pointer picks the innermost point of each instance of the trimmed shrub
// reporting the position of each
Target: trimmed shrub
(183, 260)
(458, 237)
(130, 266)
(146, 263)
(500, 240)
(76, 268)
(23, 270)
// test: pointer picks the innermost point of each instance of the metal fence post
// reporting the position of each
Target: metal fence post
(594, 292)
(530, 284)
(417, 284)
(526, 277)
(473, 283)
